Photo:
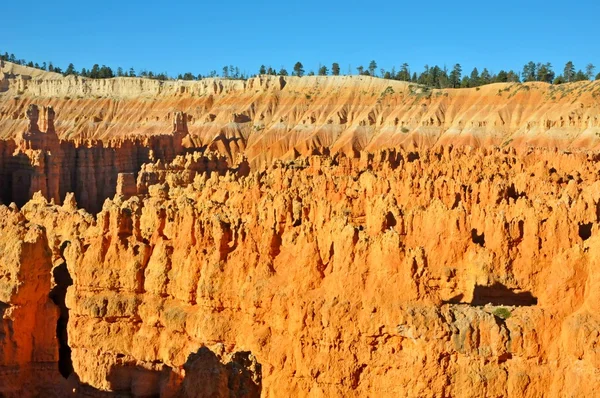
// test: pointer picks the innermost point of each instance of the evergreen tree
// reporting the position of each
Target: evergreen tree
(485, 77)
(589, 71)
(529, 72)
(545, 73)
(299, 69)
(465, 82)
(513, 77)
(569, 72)
(43, 66)
(335, 69)
(558, 80)
(95, 72)
(414, 77)
(131, 72)
(598, 76)
(70, 70)
(360, 70)
(323, 71)
(501, 77)
(455, 76)
(424, 76)
(387, 75)
(225, 72)
(474, 78)
(372, 67)
(580, 76)
(404, 74)
(283, 72)
(262, 70)
(119, 71)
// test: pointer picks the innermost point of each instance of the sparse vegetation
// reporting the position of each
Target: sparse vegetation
(434, 77)
(502, 313)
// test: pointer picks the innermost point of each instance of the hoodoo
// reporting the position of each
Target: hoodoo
(286, 236)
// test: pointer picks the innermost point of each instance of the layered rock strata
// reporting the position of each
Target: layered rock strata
(37, 160)
(271, 117)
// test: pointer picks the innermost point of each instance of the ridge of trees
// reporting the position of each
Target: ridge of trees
(435, 76)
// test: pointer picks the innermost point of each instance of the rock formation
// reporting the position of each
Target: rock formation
(214, 270)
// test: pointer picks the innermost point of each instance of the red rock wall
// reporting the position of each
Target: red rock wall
(28, 346)
(449, 272)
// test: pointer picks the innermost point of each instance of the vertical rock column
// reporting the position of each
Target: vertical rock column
(28, 346)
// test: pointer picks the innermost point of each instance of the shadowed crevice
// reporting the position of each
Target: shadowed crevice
(498, 294)
(63, 280)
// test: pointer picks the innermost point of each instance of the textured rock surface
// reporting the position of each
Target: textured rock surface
(275, 117)
(28, 347)
(450, 271)
(430, 273)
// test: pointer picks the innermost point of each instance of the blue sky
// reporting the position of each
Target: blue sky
(180, 36)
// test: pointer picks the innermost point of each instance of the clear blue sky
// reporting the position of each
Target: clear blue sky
(180, 36)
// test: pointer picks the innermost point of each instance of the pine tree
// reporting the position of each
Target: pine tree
(589, 71)
(70, 70)
(404, 74)
(299, 69)
(529, 72)
(474, 78)
(513, 76)
(545, 73)
(262, 70)
(569, 72)
(283, 72)
(501, 77)
(335, 69)
(131, 72)
(323, 71)
(580, 76)
(455, 76)
(360, 70)
(372, 67)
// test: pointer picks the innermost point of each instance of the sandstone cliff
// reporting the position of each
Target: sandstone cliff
(236, 266)
(424, 273)
(271, 117)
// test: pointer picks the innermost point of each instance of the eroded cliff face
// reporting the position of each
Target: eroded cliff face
(427, 273)
(28, 352)
(270, 117)
(225, 262)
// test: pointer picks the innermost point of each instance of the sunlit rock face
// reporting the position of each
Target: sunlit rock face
(269, 261)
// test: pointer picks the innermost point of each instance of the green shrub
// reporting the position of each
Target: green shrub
(502, 313)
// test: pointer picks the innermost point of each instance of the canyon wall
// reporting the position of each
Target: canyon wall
(269, 117)
(297, 237)
(427, 273)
